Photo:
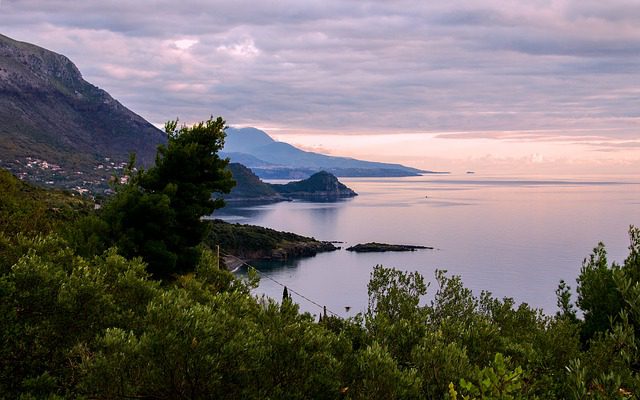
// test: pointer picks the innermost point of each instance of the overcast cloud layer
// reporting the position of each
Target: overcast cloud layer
(508, 70)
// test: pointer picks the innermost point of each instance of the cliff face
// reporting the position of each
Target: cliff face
(49, 113)
(319, 186)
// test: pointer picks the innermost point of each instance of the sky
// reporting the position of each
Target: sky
(537, 86)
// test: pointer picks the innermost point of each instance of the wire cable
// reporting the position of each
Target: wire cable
(281, 284)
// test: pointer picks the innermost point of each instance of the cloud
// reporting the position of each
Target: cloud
(537, 158)
(246, 48)
(314, 148)
(120, 72)
(551, 70)
(573, 136)
(185, 44)
(612, 146)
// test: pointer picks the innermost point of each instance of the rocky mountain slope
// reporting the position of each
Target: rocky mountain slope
(57, 128)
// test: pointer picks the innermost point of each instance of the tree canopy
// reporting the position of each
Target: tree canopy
(157, 213)
(80, 322)
(101, 328)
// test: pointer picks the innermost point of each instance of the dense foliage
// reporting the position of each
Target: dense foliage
(157, 213)
(249, 187)
(28, 209)
(76, 324)
(101, 328)
(240, 238)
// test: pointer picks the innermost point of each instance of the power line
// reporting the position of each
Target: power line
(281, 284)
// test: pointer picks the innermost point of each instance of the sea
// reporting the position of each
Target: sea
(515, 237)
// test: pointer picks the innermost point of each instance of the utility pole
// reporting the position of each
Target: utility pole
(218, 256)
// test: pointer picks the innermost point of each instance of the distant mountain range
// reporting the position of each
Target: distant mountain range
(59, 130)
(270, 159)
(56, 127)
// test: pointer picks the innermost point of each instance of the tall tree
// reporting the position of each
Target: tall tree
(157, 213)
(598, 296)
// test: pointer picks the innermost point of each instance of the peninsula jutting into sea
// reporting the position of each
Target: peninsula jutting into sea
(335, 200)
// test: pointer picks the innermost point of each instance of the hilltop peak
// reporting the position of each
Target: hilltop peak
(49, 115)
(245, 140)
(27, 66)
(320, 186)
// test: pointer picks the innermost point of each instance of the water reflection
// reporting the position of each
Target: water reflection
(273, 266)
(237, 213)
(322, 209)
(510, 236)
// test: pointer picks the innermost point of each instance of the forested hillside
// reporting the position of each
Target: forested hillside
(27, 209)
(83, 317)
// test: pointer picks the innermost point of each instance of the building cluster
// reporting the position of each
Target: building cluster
(88, 181)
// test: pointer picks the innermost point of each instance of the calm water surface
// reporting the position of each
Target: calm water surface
(512, 237)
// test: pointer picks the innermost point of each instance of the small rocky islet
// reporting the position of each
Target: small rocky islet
(321, 186)
(372, 247)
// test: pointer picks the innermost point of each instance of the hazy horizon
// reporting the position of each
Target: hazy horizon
(497, 86)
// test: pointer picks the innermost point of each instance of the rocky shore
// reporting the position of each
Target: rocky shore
(247, 243)
(382, 247)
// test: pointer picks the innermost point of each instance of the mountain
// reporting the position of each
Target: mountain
(246, 140)
(248, 159)
(55, 127)
(249, 188)
(270, 159)
(321, 186)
